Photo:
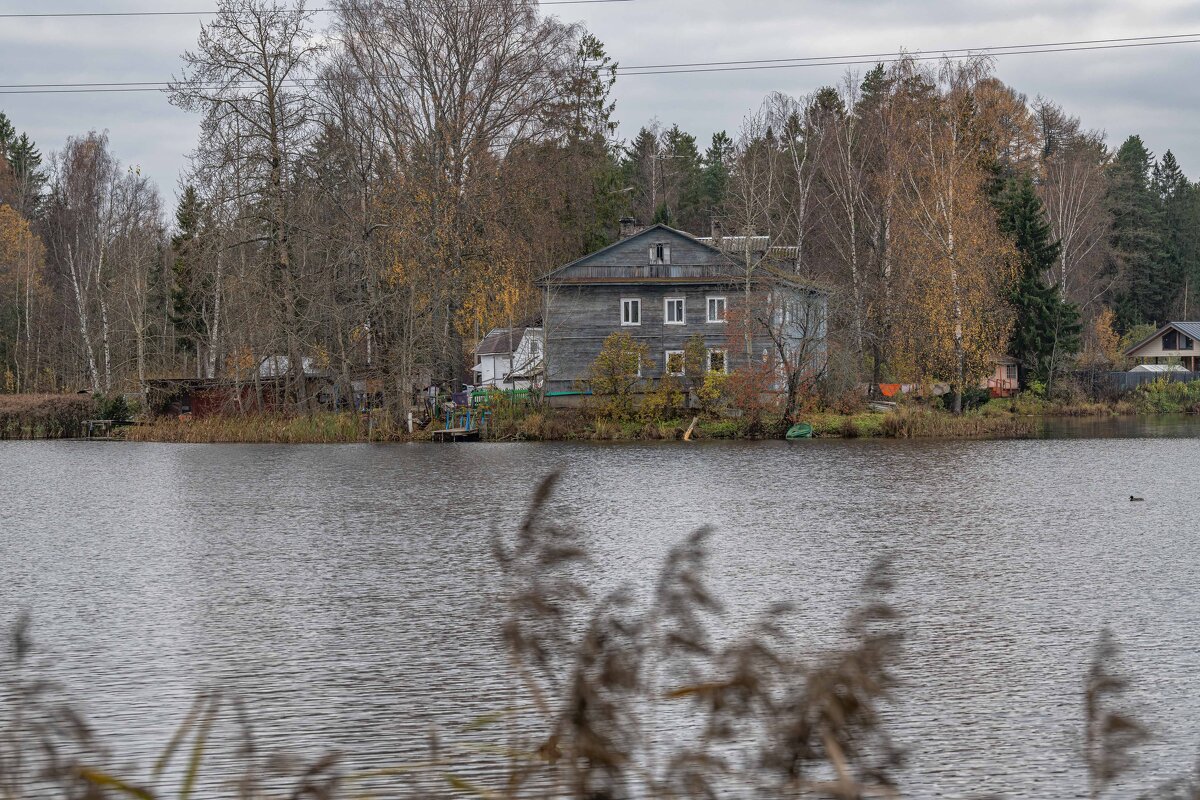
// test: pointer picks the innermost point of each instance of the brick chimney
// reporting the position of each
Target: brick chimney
(630, 227)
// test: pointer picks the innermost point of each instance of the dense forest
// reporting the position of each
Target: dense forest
(375, 200)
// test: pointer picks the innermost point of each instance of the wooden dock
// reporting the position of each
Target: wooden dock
(456, 435)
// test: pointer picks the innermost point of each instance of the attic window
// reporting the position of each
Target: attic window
(660, 253)
(1170, 341)
(1188, 343)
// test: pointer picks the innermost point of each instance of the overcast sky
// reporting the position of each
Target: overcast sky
(1153, 91)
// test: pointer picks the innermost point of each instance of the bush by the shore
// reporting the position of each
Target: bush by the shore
(44, 416)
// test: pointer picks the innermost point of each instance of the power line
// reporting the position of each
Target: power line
(898, 57)
(693, 67)
(68, 14)
(939, 51)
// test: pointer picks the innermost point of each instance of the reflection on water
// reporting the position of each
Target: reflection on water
(348, 591)
(1161, 426)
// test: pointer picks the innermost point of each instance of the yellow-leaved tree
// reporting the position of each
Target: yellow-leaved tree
(23, 292)
(960, 267)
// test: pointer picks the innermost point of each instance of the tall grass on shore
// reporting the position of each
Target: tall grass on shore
(319, 428)
(626, 699)
(44, 416)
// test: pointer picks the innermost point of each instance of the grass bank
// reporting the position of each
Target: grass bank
(550, 425)
(322, 428)
(920, 423)
(558, 425)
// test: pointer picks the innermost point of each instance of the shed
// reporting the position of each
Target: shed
(509, 358)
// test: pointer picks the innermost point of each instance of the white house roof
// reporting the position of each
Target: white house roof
(277, 366)
(1158, 368)
(1189, 329)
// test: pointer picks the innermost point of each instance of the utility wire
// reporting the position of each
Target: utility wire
(67, 14)
(675, 69)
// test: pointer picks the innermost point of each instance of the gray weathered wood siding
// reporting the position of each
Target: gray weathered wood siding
(578, 318)
(582, 305)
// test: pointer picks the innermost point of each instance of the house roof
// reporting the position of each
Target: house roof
(1158, 368)
(500, 341)
(644, 232)
(727, 264)
(1189, 329)
(758, 244)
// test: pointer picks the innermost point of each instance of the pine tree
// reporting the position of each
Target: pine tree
(1047, 329)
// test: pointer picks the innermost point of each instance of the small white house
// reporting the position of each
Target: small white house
(510, 358)
(1172, 344)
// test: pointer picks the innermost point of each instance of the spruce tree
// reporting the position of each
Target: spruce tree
(1047, 330)
(8, 134)
(717, 159)
(1178, 220)
(25, 161)
(1136, 238)
(189, 295)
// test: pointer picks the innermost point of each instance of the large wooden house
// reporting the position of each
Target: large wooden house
(663, 286)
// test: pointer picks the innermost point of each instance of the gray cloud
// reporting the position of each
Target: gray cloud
(1151, 91)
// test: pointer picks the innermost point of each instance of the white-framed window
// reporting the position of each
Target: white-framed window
(673, 362)
(660, 253)
(717, 361)
(631, 311)
(674, 309)
(716, 309)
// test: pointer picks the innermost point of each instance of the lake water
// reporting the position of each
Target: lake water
(348, 593)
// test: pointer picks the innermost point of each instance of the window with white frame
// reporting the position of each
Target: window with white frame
(660, 253)
(673, 312)
(716, 309)
(717, 361)
(631, 311)
(673, 362)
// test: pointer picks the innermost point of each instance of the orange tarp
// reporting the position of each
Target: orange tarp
(889, 389)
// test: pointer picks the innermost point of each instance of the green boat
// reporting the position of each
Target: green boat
(801, 430)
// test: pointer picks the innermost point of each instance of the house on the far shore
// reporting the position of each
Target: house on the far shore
(663, 287)
(1172, 344)
(1005, 378)
(509, 358)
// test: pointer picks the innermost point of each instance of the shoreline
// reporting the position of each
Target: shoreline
(542, 426)
(1020, 417)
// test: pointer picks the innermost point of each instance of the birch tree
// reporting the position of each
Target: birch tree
(957, 314)
(256, 123)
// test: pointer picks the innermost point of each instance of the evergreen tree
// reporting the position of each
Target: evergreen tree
(25, 161)
(189, 295)
(1047, 329)
(684, 181)
(1136, 239)
(1178, 216)
(640, 163)
(715, 177)
(8, 135)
